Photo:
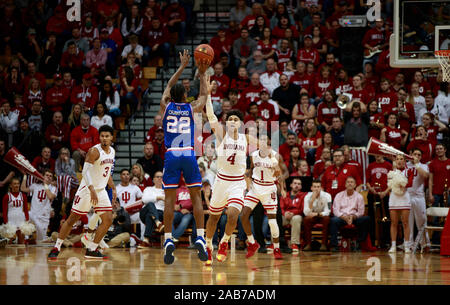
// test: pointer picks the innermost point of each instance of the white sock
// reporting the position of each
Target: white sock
(93, 246)
(168, 235)
(58, 244)
(274, 230)
(201, 232)
(251, 239)
(394, 244)
(93, 222)
(225, 238)
(276, 245)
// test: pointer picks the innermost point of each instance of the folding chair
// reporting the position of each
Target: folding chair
(432, 212)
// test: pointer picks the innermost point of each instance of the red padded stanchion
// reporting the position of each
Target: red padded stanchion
(445, 237)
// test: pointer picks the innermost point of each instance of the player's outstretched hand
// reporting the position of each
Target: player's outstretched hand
(184, 58)
(209, 84)
(203, 65)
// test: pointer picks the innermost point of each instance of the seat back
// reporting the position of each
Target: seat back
(437, 212)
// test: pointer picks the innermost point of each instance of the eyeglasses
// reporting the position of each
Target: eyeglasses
(158, 176)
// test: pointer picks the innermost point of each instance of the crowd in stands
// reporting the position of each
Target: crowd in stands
(61, 80)
(276, 61)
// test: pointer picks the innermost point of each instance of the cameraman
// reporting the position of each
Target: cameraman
(119, 232)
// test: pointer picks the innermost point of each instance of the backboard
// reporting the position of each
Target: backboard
(420, 28)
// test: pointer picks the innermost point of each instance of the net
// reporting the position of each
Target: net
(444, 60)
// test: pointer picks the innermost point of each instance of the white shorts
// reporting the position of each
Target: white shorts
(82, 202)
(227, 194)
(266, 194)
(399, 202)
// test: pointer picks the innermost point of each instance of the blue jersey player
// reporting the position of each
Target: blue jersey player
(178, 123)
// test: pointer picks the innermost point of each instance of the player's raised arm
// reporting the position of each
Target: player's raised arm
(216, 127)
(199, 104)
(184, 61)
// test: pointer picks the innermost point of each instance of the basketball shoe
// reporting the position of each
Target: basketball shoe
(169, 247)
(53, 254)
(95, 254)
(277, 253)
(222, 252)
(251, 249)
(87, 239)
(200, 245)
(210, 257)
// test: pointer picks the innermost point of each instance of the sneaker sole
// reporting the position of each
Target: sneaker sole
(219, 259)
(168, 256)
(202, 254)
(95, 257)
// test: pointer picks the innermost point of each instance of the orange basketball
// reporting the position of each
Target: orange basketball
(204, 51)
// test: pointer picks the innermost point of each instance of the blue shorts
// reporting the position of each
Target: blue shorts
(177, 161)
(109, 191)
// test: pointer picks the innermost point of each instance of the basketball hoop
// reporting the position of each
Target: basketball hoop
(444, 60)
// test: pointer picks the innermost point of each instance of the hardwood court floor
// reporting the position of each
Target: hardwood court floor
(134, 266)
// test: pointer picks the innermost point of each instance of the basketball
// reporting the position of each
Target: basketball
(204, 51)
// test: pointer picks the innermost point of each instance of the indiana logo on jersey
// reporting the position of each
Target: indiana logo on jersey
(125, 197)
(42, 195)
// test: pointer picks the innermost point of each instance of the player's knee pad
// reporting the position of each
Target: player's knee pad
(274, 230)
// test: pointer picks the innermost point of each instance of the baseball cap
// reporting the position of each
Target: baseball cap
(104, 30)
(264, 90)
(31, 31)
(159, 129)
(342, 3)
(87, 76)
(57, 76)
(308, 36)
(222, 27)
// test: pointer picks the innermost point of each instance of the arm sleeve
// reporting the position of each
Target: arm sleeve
(360, 212)
(74, 140)
(138, 193)
(282, 204)
(148, 196)
(306, 209)
(336, 206)
(326, 211)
